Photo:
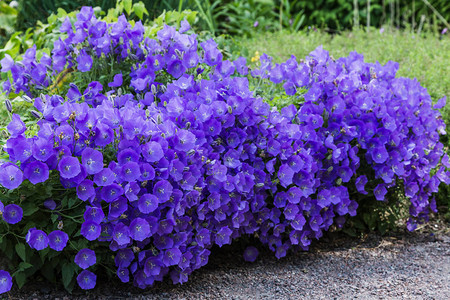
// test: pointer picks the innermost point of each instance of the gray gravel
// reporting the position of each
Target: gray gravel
(401, 266)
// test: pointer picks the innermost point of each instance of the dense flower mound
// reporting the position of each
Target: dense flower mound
(177, 154)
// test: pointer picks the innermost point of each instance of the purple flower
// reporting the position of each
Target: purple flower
(5, 282)
(379, 192)
(176, 68)
(186, 140)
(12, 213)
(139, 229)
(223, 236)
(379, 154)
(86, 280)
(130, 171)
(117, 208)
(36, 172)
(152, 151)
(42, 149)
(16, 127)
(37, 239)
(148, 203)
(94, 214)
(298, 222)
(57, 240)
(85, 258)
(84, 61)
(117, 81)
(69, 167)
(90, 230)
(163, 190)
(123, 274)
(171, 257)
(184, 26)
(124, 257)
(285, 175)
(11, 177)
(85, 190)
(250, 254)
(50, 204)
(92, 160)
(111, 192)
(360, 183)
(104, 177)
(7, 63)
(121, 234)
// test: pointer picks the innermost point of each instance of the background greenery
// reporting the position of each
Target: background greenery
(238, 16)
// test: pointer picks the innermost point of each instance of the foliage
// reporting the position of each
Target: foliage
(156, 148)
(8, 16)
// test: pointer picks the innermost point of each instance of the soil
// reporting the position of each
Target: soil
(400, 265)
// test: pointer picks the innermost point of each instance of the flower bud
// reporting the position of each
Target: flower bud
(35, 114)
(27, 99)
(8, 105)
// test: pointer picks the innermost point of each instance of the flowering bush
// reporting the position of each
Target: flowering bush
(158, 149)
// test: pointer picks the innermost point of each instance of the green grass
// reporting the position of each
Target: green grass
(425, 58)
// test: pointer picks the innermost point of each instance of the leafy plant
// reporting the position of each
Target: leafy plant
(157, 148)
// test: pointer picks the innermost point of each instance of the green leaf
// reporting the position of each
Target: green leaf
(68, 272)
(127, 6)
(48, 272)
(29, 209)
(20, 249)
(54, 217)
(72, 201)
(24, 265)
(20, 278)
(139, 9)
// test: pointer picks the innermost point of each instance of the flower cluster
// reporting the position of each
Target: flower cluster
(363, 116)
(177, 154)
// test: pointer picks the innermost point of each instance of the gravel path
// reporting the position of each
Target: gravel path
(399, 266)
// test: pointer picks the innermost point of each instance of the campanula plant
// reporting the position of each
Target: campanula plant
(141, 172)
